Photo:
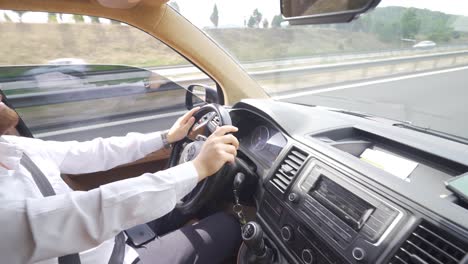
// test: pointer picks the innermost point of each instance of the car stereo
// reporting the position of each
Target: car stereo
(347, 223)
(348, 211)
(346, 206)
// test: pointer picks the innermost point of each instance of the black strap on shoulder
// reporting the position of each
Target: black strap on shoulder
(39, 178)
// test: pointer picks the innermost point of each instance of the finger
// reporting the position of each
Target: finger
(230, 149)
(186, 117)
(227, 157)
(230, 139)
(224, 130)
(190, 122)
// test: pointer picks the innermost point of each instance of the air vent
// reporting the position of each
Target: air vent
(288, 169)
(432, 245)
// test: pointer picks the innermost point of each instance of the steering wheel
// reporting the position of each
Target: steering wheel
(186, 150)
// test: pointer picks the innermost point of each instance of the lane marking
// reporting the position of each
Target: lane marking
(361, 84)
(109, 124)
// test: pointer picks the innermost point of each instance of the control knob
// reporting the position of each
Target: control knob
(359, 253)
(287, 233)
(293, 197)
(307, 256)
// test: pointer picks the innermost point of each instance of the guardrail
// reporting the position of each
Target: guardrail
(329, 57)
(359, 64)
(70, 95)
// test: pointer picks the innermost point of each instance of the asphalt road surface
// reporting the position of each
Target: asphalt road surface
(437, 100)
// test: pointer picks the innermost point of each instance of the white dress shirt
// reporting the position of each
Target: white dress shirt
(36, 229)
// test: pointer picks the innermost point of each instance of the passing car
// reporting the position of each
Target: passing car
(67, 61)
(352, 149)
(427, 44)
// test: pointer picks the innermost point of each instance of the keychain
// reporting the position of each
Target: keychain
(238, 209)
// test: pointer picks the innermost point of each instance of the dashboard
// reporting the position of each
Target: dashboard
(320, 201)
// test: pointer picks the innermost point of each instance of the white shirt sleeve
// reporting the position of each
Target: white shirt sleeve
(44, 228)
(102, 154)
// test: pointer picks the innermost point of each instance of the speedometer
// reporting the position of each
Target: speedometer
(259, 138)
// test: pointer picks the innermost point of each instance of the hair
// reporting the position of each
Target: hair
(8, 120)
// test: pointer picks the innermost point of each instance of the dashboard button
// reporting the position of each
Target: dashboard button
(293, 197)
(359, 253)
(307, 256)
(287, 233)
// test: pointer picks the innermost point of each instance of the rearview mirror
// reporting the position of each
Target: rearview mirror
(324, 11)
(199, 94)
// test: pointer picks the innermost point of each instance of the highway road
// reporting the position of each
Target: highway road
(432, 99)
(436, 100)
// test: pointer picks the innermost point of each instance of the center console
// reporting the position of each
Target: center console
(319, 215)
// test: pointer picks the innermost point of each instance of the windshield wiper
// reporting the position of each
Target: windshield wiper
(433, 132)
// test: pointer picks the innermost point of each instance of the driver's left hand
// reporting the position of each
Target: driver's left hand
(181, 126)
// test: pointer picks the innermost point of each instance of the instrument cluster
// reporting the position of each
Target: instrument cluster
(258, 137)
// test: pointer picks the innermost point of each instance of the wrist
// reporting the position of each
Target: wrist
(165, 139)
(171, 137)
(202, 174)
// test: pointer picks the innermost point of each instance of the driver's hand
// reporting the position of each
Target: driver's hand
(218, 149)
(181, 126)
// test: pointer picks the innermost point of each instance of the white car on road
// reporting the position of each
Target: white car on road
(425, 44)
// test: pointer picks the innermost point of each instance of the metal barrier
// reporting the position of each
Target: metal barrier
(80, 94)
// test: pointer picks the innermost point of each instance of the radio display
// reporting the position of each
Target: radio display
(344, 204)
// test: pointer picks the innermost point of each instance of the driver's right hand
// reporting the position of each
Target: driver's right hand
(218, 149)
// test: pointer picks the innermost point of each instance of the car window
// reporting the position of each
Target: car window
(74, 77)
(404, 60)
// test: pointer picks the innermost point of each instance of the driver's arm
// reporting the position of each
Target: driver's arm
(101, 154)
(43, 228)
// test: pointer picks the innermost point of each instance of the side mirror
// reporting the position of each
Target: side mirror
(199, 94)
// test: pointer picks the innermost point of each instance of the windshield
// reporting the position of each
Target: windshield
(406, 60)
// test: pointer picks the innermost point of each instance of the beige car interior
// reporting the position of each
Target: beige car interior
(162, 22)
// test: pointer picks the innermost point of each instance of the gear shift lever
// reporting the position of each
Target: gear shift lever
(252, 234)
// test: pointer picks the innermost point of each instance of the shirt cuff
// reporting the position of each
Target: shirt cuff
(152, 142)
(186, 177)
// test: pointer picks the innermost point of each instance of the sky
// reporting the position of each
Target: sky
(234, 12)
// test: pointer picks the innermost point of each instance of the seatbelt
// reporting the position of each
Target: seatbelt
(39, 178)
(118, 253)
(46, 189)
